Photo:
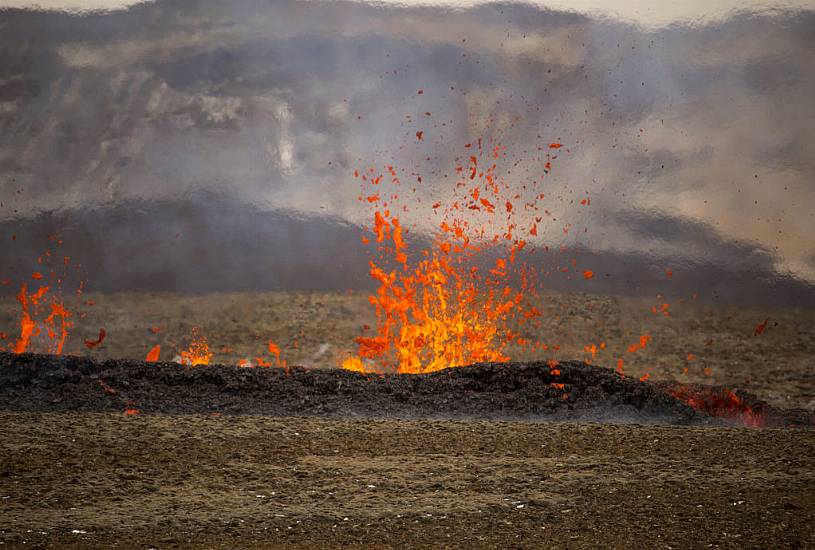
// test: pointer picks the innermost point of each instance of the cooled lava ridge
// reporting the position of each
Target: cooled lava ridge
(496, 391)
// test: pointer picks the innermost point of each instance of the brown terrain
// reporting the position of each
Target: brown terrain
(103, 479)
(109, 481)
(317, 330)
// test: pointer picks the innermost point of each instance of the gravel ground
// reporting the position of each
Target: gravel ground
(574, 390)
(105, 480)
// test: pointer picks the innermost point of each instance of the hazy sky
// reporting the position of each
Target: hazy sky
(644, 12)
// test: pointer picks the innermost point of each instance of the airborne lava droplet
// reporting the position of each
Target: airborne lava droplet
(153, 354)
(644, 339)
(90, 344)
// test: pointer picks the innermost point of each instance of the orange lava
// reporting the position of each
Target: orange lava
(198, 353)
(644, 339)
(274, 349)
(45, 321)
(90, 344)
(58, 334)
(27, 324)
(153, 354)
(444, 306)
(720, 403)
(56, 323)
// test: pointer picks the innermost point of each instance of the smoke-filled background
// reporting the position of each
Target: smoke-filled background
(211, 146)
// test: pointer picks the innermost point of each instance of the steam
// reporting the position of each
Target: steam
(694, 143)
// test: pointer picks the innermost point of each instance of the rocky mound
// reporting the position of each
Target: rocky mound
(575, 391)
(496, 391)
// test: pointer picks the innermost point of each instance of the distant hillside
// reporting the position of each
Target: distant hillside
(214, 245)
(192, 247)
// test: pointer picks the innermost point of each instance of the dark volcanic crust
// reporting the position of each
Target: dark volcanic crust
(30, 382)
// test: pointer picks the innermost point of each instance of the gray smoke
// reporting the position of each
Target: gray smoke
(695, 144)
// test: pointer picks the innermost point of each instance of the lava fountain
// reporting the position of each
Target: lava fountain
(443, 307)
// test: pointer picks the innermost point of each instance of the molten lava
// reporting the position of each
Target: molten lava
(90, 344)
(153, 354)
(447, 306)
(45, 321)
(33, 320)
(27, 324)
(718, 402)
(198, 353)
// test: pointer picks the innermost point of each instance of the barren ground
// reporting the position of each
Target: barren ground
(109, 481)
(88, 480)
